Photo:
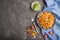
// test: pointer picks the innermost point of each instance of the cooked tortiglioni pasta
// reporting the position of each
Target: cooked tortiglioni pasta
(46, 19)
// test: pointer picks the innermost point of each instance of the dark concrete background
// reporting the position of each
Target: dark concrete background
(15, 15)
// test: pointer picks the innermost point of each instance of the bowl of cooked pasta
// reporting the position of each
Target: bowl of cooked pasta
(46, 19)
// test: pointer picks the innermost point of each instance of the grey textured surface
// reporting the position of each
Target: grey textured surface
(15, 15)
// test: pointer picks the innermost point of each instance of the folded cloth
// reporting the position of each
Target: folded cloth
(53, 6)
